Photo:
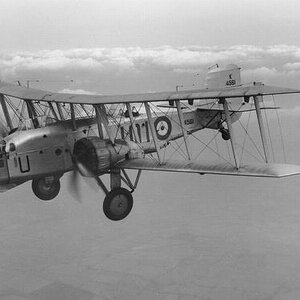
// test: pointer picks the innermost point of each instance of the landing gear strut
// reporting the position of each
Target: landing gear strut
(46, 188)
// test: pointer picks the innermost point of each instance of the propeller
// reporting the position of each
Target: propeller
(74, 184)
(78, 168)
(74, 176)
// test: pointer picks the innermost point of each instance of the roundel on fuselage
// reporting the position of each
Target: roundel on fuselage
(163, 127)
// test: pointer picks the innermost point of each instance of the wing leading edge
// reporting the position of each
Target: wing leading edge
(234, 92)
(252, 170)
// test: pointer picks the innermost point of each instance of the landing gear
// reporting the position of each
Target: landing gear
(118, 201)
(225, 134)
(46, 188)
(117, 204)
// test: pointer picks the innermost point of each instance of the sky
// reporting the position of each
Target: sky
(55, 24)
(117, 46)
(127, 46)
(114, 46)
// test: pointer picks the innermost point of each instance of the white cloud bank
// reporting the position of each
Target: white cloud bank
(77, 91)
(279, 63)
(139, 58)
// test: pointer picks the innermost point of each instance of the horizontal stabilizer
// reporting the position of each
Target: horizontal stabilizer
(253, 170)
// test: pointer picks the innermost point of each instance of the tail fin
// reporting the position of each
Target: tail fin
(223, 77)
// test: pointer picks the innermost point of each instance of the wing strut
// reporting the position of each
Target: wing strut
(261, 128)
(5, 112)
(53, 110)
(127, 180)
(32, 113)
(184, 133)
(231, 133)
(84, 109)
(99, 123)
(74, 126)
(128, 107)
(102, 119)
(60, 112)
(153, 131)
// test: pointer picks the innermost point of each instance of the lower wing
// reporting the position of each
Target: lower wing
(253, 170)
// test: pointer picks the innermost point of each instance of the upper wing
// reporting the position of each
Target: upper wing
(234, 92)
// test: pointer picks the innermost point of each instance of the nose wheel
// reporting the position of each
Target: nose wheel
(117, 204)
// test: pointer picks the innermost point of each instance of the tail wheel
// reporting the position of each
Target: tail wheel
(117, 204)
(225, 134)
(46, 188)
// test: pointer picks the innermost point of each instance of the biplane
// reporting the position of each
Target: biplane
(46, 134)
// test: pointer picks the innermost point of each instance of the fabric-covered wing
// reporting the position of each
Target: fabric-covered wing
(234, 92)
(253, 170)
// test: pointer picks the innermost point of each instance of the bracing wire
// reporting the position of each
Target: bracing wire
(280, 131)
(228, 152)
(269, 132)
(217, 149)
(206, 145)
(119, 119)
(253, 142)
(246, 135)
(15, 109)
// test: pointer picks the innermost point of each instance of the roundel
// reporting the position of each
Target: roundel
(163, 127)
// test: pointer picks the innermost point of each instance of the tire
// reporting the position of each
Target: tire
(44, 190)
(117, 204)
(225, 134)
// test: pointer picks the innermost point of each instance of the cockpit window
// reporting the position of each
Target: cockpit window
(12, 147)
(2, 146)
(2, 150)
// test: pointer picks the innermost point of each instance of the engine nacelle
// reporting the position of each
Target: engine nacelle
(98, 156)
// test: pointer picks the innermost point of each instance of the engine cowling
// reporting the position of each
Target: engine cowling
(98, 156)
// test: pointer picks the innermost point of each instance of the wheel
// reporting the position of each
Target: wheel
(46, 188)
(117, 204)
(225, 134)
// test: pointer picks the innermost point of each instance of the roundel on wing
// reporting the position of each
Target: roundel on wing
(163, 127)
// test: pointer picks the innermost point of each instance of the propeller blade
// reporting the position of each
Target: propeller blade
(74, 185)
(83, 170)
(78, 168)
(74, 178)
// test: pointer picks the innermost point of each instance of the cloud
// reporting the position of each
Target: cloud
(139, 58)
(260, 74)
(292, 66)
(77, 91)
(140, 68)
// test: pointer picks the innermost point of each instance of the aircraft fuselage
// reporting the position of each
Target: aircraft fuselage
(47, 151)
